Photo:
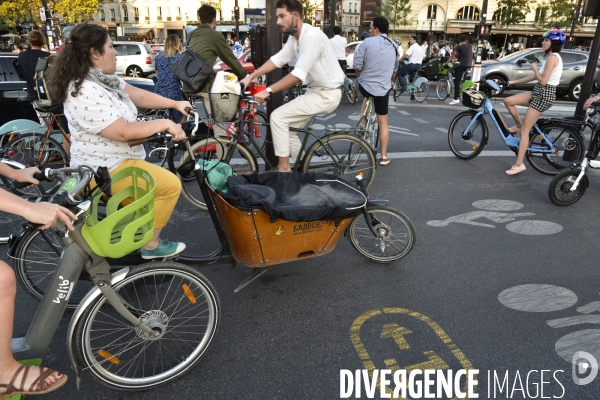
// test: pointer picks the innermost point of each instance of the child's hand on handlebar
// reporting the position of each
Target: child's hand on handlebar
(176, 132)
(25, 175)
(46, 214)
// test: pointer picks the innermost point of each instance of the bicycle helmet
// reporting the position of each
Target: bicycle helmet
(442, 43)
(556, 34)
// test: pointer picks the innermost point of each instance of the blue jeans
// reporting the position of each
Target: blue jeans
(410, 69)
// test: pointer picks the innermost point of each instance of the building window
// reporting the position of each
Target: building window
(541, 13)
(178, 14)
(431, 11)
(125, 14)
(501, 14)
(159, 13)
(102, 15)
(136, 14)
(113, 15)
(147, 16)
(468, 12)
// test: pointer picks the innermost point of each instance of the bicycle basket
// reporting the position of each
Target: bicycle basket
(472, 98)
(223, 106)
(127, 228)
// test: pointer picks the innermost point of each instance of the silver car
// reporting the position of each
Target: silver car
(516, 66)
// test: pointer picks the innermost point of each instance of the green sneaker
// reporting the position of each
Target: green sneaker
(164, 249)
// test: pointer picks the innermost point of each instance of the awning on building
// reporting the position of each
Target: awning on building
(136, 31)
(231, 28)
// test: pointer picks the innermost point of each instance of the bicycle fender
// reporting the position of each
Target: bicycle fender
(21, 125)
(87, 300)
(13, 243)
(421, 80)
(467, 84)
(377, 202)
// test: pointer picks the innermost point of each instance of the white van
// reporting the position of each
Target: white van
(135, 59)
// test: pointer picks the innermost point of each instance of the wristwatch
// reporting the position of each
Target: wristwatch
(269, 90)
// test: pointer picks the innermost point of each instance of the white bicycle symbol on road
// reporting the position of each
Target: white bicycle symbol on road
(501, 211)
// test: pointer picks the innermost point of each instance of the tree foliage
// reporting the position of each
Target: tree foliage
(396, 11)
(309, 11)
(16, 12)
(511, 12)
(559, 14)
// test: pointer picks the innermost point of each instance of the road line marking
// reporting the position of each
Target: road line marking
(404, 113)
(421, 120)
(397, 127)
(445, 130)
(404, 133)
(327, 117)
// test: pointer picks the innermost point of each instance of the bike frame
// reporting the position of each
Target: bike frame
(509, 140)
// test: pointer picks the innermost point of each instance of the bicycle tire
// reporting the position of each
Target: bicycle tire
(175, 300)
(36, 257)
(368, 132)
(559, 188)
(422, 92)
(442, 89)
(351, 93)
(25, 149)
(396, 234)
(472, 145)
(341, 154)
(570, 146)
(212, 148)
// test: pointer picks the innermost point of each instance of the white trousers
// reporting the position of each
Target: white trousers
(296, 114)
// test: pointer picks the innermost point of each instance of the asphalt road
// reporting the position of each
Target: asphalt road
(500, 280)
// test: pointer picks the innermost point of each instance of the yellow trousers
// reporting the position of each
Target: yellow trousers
(168, 189)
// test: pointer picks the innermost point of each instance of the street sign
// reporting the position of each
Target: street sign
(238, 50)
(42, 14)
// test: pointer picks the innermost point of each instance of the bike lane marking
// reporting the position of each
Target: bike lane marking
(408, 340)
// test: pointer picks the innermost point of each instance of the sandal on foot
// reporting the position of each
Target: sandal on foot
(515, 170)
(384, 160)
(514, 129)
(39, 386)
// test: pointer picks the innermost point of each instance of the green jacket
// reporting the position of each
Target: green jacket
(210, 44)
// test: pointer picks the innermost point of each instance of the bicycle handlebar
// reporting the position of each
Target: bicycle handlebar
(40, 176)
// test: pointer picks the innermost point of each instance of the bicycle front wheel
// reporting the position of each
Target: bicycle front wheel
(174, 300)
(36, 257)
(568, 148)
(466, 142)
(422, 92)
(341, 154)
(396, 234)
(442, 89)
(240, 158)
(368, 131)
(258, 134)
(560, 191)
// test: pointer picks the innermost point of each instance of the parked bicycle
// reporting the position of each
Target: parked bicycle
(569, 186)
(552, 146)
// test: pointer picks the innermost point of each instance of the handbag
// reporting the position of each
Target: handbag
(193, 70)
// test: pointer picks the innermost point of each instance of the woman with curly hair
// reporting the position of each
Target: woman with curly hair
(101, 110)
(167, 84)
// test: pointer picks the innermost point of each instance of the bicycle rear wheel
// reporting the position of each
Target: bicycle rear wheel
(341, 154)
(240, 158)
(396, 234)
(173, 299)
(422, 92)
(351, 93)
(467, 143)
(442, 89)
(568, 144)
(34, 150)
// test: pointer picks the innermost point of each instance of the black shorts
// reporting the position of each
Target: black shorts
(343, 65)
(380, 102)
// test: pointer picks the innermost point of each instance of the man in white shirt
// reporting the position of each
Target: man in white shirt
(425, 46)
(316, 66)
(415, 55)
(338, 44)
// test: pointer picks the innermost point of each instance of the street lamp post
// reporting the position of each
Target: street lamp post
(575, 18)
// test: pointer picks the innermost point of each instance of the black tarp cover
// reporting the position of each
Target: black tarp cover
(296, 196)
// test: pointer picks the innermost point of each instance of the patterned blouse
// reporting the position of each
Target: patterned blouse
(167, 84)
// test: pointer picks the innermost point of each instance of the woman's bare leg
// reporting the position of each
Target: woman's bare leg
(531, 116)
(511, 103)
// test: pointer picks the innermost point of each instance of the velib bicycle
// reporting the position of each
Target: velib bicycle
(367, 127)
(140, 328)
(376, 230)
(552, 146)
(419, 88)
(569, 186)
(336, 152)
(445, 85)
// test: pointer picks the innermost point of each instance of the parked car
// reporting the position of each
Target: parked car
(13, 90)
(244, 59)
(135, 59)
(350, 47)
(158, 48)
(517, 65)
